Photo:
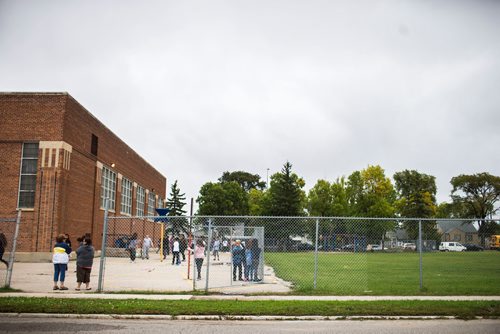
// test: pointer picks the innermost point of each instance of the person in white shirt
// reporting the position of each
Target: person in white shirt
(146, 245)
(175, 252)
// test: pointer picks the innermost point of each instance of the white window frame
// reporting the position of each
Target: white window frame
(27, 174)
(108, 188)
(151, 204)
(141, 196)
(126, 203)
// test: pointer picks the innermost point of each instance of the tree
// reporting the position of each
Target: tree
(176, 204)
(222, 199)
(286, 197)
(320, 199)
(371, 194)
(256, 199)
(478, 194)
(417, 199)
(246, 180)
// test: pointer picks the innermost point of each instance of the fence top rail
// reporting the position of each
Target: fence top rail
(159, 219)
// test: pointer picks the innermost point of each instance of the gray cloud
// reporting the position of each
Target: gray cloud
(198, 88)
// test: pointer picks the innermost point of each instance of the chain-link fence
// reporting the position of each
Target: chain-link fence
(340, 256)
(9, 230)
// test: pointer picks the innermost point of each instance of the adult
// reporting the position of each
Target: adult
(84, 261)
(182, 246)
(132, 245)
(199, 256)
(256, 251)
(3, 244)
(60, 259)
(238, 255)
(166, 246)
(147, 243)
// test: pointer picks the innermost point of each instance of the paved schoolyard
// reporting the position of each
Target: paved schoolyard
(146, 275)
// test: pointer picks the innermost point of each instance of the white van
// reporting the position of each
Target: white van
(452, 247)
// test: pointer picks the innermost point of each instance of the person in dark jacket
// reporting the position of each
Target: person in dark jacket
(3, 244)
(84, 261)
(255, 261)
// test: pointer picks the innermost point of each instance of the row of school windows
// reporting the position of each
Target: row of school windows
(27, 187)
(108, 191)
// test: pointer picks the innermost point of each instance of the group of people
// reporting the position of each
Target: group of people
(133, 244)
(176, 245)
(84, 260)
(246, 258)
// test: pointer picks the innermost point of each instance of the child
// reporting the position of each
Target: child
(60, 258)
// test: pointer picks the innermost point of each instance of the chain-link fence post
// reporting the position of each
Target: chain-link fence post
(209, 242)
(103, 247)
(13, 250)
(316, 255)
(420, 252)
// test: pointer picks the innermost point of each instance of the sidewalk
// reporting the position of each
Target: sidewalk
(240, 297)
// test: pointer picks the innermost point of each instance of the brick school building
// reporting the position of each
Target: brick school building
(58, 163)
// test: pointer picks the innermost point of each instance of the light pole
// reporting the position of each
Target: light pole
(267, 178)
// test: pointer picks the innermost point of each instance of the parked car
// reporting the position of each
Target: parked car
(373, 248)
(473, 248)
(410, 246)
(451, 246)
(347, 248)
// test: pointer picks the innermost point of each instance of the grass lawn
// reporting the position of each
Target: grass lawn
(461, 309)
(465, 273)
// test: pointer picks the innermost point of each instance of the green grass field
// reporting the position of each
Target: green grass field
(465, 273)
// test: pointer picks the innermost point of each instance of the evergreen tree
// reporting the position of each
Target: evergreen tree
(176, 203)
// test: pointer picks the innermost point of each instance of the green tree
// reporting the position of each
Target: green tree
(176, 204)
(416, 194)
(222, 199)
(246, 180)
(478, 194)
(320, 199)
(286, 197)
(256, 199)
(371, 194)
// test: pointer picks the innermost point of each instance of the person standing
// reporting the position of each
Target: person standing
(199, 256)
(182, 246)
(225, 245)
(3, 244)
(175, 252)
(255, 260)
(84, 261)
(247, 262)
(132, 245)
(216, 248)
(238, 254)
(146, 245)
(166, 246)
(60, 259)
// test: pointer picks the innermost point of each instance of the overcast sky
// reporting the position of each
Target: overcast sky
(202, 87)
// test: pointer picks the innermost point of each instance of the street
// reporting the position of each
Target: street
(103, 326)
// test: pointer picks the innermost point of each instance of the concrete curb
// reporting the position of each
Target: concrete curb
(221, 317)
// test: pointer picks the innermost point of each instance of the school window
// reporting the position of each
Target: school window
(456, 237)
(160, 203)
(27, 180)
(108, 188)
(126, 205)
(94, 144)
(151, 204)
(468, 237)
(140, 201)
